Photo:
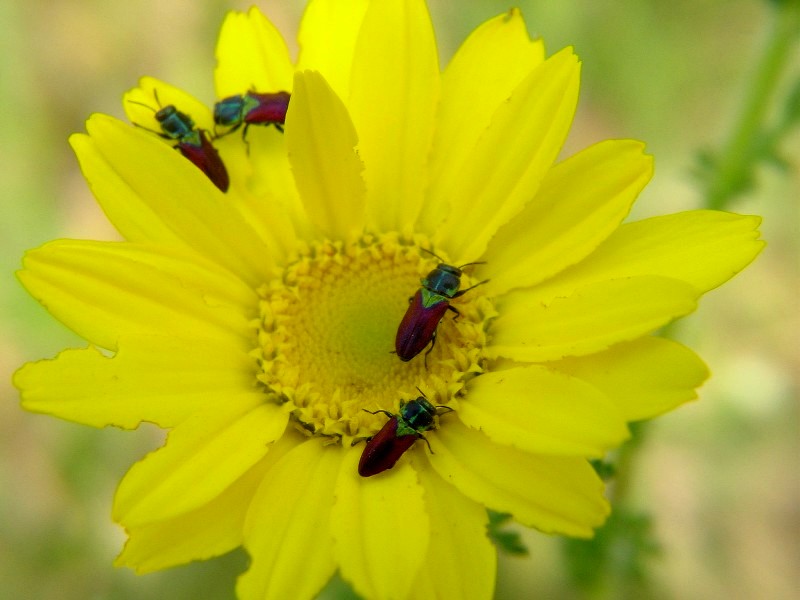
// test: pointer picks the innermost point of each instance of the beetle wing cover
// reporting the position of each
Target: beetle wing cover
(206, 158)
(418, 326)
(384, 450)
(271, 108)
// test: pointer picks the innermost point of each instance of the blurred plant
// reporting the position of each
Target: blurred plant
(506, 540)
(755, 138)
(614, 562)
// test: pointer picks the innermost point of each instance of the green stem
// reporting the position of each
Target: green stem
(625, 464)
(742, 147)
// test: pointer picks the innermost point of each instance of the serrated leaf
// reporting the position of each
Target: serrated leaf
(604, 469)
(508, 541)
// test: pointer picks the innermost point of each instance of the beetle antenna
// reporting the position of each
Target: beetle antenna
(421, 392)
(432, 253)
(143, 104)
(480, 262)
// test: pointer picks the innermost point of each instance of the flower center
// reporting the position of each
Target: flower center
(326, 336)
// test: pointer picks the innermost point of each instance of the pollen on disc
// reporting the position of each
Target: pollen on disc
(327, 330)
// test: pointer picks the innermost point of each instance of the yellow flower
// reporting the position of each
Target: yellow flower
(258, 325)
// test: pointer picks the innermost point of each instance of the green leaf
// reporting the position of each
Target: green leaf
(604, 469)
(508, 541)
(618, 556)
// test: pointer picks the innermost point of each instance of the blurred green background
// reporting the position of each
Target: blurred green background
(720, 477)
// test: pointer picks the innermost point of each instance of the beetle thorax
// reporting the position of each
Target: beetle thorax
(418, 415)
(174, 123)
(443, 280)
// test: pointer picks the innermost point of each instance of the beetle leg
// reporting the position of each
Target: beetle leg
(433, 343)
(426, 442)
(224, 133)
(244, 138)
(455, 310)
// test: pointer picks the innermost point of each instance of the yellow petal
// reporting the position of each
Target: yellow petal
(211, 530)
(581, 202)
(141, 104)
(380, 529)
(180, 194)
(286, 532)
(262, 188)
(261, 185)
(644, 378)
(103, 290)
(328, 34)
(394, 88)
(503, 171)
(543, 412)
(156, 378)
(321, 143)
(704, 248)
(461, 561)
(590, 319)
(485, 70)
(251, 55)
(554, 494)
(202, 457)
(132, 217)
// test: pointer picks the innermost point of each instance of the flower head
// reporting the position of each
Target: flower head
(259, 324)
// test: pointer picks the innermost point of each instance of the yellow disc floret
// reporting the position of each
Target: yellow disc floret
(327, 328)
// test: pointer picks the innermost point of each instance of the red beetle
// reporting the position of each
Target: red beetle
(399, 433)
(427, 307)
(252, 108)
(193, 143)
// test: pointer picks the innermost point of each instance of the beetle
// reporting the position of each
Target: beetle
(427, 308)
(252, 108)
(397, 435)
(193, 143)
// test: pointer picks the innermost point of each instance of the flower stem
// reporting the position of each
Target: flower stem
(743, 148)
(625, 464)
